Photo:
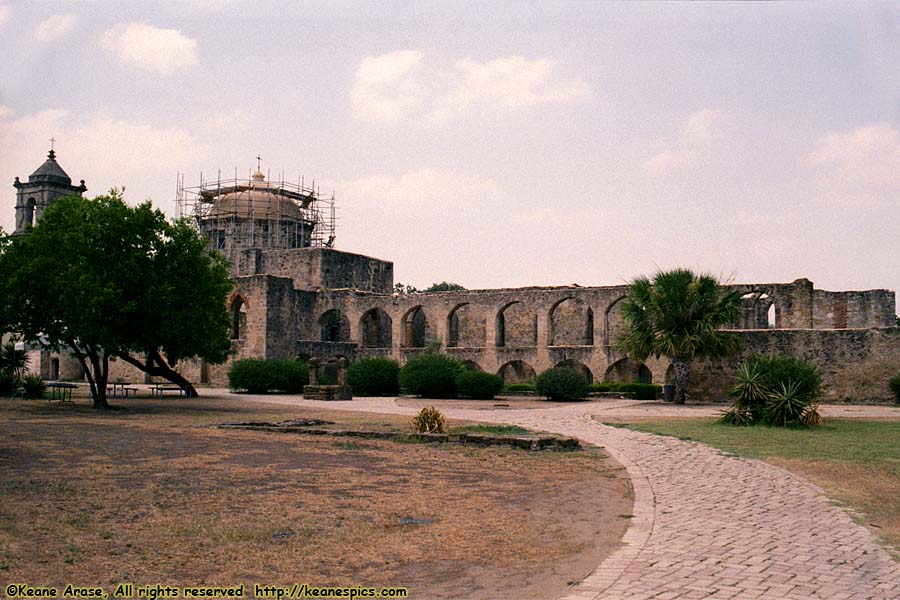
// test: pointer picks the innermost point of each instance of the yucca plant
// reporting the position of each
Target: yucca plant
(749, 393)
(786, 405)
(429, 420)
(811, 417)
(737, 415)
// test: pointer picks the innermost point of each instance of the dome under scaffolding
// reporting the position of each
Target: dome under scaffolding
(240, 214)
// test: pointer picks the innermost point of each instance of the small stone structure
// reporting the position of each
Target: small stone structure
(318, 391)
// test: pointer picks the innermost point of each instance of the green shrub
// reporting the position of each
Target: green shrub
(250, 375)
(259, 376)
(519, 387)
(604, 387)
(429, 420)
(782, 369)
(562, 384)
(8, 384)
(34, 386)
(641, 391)
(895, 387)
(478, 385)
(374, 377)
(287, 375)
(431, 375)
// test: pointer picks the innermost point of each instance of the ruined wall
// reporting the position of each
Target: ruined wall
(842, 310)
(521, 332)
(856, 364)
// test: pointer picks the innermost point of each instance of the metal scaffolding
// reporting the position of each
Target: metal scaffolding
(238, 214)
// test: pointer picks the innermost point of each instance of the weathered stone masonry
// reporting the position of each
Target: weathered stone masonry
(324, 303)
(295, 296)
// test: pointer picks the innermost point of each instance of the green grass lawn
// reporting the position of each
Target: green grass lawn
(857, 462)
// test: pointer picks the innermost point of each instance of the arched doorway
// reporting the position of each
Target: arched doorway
(517, 371)
(375, 329)
(628, 371)
(334, 326)
(415, 328)
(577, 366)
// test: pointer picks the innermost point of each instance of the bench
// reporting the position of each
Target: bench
(159, 390)
(119, 390)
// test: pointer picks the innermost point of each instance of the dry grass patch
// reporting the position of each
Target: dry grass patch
(152, 493)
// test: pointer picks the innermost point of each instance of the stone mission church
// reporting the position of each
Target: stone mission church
(295, 295)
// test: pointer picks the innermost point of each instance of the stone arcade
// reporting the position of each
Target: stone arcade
(295, 295)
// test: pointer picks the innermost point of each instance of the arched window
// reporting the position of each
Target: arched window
(238, 318)
(415, 328)
(29, 212)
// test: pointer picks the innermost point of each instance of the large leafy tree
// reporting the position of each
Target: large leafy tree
(679, 314)
(101, 279)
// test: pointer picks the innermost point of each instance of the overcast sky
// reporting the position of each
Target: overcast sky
(492, 144)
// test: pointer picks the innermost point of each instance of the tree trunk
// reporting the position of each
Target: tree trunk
(100, 364)
(156, 366)
(682, 367)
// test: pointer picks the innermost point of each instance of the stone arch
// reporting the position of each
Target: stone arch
(334, 326)
(517, 371)
(375, 329)
(471, 365)
(516, 326)
(465, 328)
(614, 324)
(414, 328)
(670, 375)
(238, 312)
(578, 366)
(759, 310)
(571, 323)
(627, 370)
(29, 212)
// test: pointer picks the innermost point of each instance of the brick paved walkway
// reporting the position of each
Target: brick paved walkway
(706, 525)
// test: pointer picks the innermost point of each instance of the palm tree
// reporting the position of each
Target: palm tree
(678, 314)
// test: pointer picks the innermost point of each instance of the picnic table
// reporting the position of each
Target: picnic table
(159, 389)
(120, 389)
(60, 391)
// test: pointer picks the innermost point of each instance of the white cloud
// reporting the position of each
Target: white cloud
(857, 169)
(698, 133)
(508, 82)
(151, 48)
(386, 86)
(4, 14)
(54, 27)
(400, 84)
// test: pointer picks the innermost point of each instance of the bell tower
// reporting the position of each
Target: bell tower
(44, 186)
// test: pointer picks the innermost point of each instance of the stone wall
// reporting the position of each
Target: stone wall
(856, 364)
(842, 310)
(318, 268)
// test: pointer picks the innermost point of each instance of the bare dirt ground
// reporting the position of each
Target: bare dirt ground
(152, 494)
